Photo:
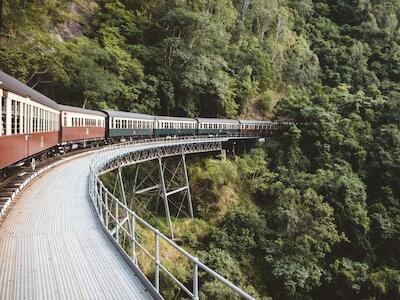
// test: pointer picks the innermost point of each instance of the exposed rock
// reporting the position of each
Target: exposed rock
(79, 18)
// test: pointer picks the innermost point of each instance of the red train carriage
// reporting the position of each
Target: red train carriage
(29, 121)
(81, 125)
(263, 128)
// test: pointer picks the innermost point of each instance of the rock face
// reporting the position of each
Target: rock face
(79, 16)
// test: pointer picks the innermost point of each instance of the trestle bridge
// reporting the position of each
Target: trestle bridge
(67, 236)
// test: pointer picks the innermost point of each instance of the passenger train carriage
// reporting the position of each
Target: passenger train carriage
(29, 121)
(122, 124)
(79, 124)
(256, 126)
(217, 126)
(169, 126)
(32, 124)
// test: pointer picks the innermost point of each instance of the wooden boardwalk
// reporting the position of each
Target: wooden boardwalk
(52, 245)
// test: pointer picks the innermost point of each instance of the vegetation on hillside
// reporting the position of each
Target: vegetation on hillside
(315, 213)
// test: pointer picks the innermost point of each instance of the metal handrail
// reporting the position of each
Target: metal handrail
(101, 198)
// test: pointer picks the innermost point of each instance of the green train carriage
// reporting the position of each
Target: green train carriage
(127, 125)
(212, 126)
(174, 126)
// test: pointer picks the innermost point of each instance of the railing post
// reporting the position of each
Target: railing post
(134, 257)
(100, 201)
(195, 279)
(116, 222)
(157, 261)
(106, 213)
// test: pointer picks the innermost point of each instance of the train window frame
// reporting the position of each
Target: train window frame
(13, 117)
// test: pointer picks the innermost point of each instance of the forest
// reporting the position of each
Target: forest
(314, 212)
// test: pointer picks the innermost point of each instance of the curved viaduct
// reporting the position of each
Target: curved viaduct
(55, 243)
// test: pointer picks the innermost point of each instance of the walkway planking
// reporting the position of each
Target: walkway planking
(52, 245)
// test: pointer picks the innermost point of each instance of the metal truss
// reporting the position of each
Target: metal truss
(155, 152)
(172, 181)
(166, 180)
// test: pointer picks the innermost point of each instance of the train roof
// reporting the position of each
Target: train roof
(81, 110)
(214, 120)
(168, 118)
(13, 85)
(263, 122)
(128, 115)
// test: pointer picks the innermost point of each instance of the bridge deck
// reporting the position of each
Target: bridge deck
(52, 245)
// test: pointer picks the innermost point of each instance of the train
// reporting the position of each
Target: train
(32, 124)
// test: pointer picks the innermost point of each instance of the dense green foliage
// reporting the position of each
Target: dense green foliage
(315, 213)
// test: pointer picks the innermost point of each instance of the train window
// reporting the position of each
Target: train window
(13, 117)
(18, 120)
(46, 120)
(39, 120)
(34, 117)
(22, 118)
(28, 118)
(43, 120)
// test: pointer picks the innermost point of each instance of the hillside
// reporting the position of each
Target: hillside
(314, 213)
